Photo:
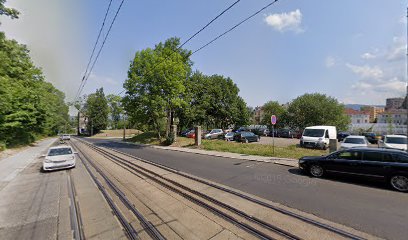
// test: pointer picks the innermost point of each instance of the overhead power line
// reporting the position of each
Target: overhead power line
(235, 26)
(93, 50)
(194, 35)
(100, 49)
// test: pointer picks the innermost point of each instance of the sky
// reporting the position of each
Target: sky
(352, 50)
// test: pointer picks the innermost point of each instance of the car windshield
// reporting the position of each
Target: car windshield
(354, 140)
(230, 134)
(313, 133)
(60, 151)
(396, 140)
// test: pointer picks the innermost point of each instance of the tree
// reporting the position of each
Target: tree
(10, 12)
(115, 109)
(155, 84)
(213, 101)
(96, 110)
(274, 108)
(29, 106)
(317, 109)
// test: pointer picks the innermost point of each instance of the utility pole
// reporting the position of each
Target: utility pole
(124, 128)
(406, 78)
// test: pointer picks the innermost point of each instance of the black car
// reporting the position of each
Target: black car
(382, 164)
(246, 137)
(287, 133)
(371, 137)
(342, 135)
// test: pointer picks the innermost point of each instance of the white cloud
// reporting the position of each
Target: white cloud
(397, 53)
(368, 56)
(366, 71)
(101, 80)
(330, 62)
(290, 21)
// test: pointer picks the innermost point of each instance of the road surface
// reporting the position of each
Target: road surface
(365, 206)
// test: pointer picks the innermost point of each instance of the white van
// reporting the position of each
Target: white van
(318, 136)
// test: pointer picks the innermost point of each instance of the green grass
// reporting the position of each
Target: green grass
(261, 150)
(145, 138)
(291, 151)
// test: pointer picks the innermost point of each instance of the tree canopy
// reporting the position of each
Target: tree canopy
(115, 109)
(317, 109)
(161, 88)
(96, 109)
(29, 106)
(10, 12)
(274, 108)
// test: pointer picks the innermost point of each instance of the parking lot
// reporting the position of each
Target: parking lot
(284, 142)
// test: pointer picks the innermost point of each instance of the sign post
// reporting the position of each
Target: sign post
(273, 122)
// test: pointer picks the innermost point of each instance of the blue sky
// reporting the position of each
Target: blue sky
(351, 50)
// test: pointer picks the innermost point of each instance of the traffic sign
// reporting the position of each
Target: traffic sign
(273, 119)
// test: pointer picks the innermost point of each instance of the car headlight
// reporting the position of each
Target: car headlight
(320, 139)
(301, 161)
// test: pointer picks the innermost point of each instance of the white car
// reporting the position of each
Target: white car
(354, 141)
(65, 137)
(394, 142)
(60, 157)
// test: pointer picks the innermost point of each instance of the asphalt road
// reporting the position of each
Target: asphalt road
(366, 206)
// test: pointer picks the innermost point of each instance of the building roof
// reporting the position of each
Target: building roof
(350, 111)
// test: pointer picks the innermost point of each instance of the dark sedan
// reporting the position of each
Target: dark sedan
(246, 137)
(382, 164)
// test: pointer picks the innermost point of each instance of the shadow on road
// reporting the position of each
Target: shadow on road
(360, 181)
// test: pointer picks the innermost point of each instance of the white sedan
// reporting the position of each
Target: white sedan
(394, 142)
(60, 157)
(354, 141)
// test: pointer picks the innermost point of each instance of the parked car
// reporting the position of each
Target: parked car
(229, 136)
(386, 164)
(214, 134)
(342, 135)
(185, 132)
(318, 136)
(287, 133)
(354, 141)
(191, 134)
(260, 131)
(240, 129)
(394, 141)
(246, 137)
(371, 137)
(59, 157)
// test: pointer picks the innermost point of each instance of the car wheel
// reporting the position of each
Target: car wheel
(399, 183)
(246, 141)
(316, 171)
(258, 139)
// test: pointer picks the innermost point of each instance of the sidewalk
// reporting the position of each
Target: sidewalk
(280, 161)
(11, 166)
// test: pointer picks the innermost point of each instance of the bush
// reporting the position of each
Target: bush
(2, 146)
(169, 140)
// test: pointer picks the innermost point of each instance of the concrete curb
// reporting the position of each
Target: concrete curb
(286, 161)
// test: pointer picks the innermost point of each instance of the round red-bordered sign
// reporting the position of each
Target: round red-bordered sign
(273, 119)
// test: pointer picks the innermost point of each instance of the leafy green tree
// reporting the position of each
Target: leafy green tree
(155, 84)
(115, 109)
(96, 110)
(10, 12)
(317, 109)
(274, 108)
(29, 106)
(213, 101)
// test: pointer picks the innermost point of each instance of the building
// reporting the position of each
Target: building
(258, 115)
(394, 116)
(358, 117)
(393, 103)
(373, 111)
